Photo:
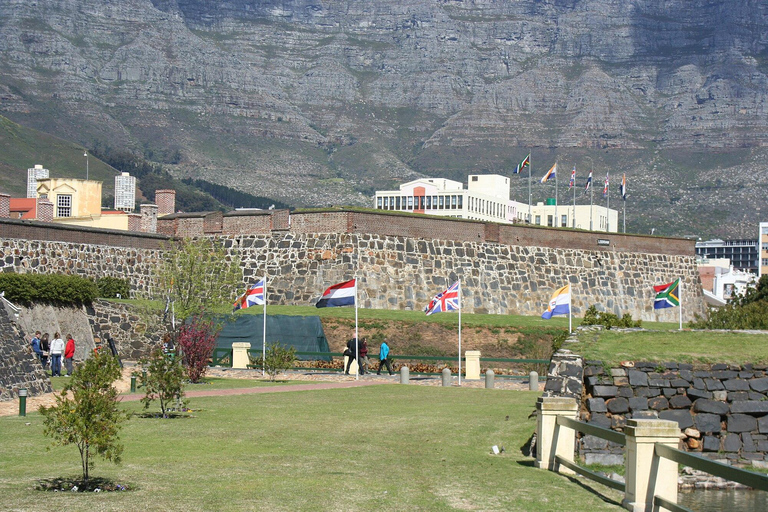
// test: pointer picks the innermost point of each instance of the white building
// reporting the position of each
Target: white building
(720, 281)
(486, 198)
(762, 246)
(125, 192)
(33, 174)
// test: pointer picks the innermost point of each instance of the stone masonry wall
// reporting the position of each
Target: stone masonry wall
(134, 336)
(19, 367)
(398, 272)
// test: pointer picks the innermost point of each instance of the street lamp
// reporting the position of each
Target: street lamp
(86, 163)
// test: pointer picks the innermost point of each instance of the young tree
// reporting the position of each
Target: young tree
(198, 275)
(197, 339)
(278, 359)
(86, 412)
(163, 379)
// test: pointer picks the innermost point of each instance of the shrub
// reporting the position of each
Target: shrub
(196, 340)
(747, 311)
(56, 289)
(608, 320)
(112, 287)
(162, 379)
(86, 412)
(278, 359)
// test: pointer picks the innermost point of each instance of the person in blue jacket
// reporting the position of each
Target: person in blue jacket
(35, 342)
(384, 357)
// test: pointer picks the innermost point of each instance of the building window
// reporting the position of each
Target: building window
(410, 202)
(64, 205)
(429, 202)
(460, 202)
(538, 220)
(549, 220)
(453, 202)
(442, 202)
(564, 221)
(378, 203)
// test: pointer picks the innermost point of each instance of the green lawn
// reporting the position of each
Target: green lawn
(680, 346)
(206, 384)
(387, 447)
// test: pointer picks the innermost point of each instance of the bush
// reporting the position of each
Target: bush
(196, 340)
(56, 289)
(113, 287)
(747, 311)
(162, 379)
(278, 359)
(608, 320)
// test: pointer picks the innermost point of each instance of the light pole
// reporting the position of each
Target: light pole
(86, 163)
(591, 186)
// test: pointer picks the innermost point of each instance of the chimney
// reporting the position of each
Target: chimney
(134, 222)
(165, 201)
(44, 210)
(149, 218)
(5, 206)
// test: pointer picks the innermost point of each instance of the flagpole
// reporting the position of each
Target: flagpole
(625, 215)
(573, 219)
(459, 293)
(357, 339)
(264, 332)
(570, 308)
(530, 219)
(591, 194)
(557, 222)
(680, 300)
(607, 204)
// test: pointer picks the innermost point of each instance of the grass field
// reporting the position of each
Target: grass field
(679, 346)
(387, 447)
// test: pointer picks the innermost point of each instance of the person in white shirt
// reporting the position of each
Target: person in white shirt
(57, 349)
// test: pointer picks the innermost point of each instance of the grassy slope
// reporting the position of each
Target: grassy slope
(385, 447)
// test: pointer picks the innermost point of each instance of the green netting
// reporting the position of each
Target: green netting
(305, 333)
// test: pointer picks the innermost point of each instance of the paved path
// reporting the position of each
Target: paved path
(266, 389)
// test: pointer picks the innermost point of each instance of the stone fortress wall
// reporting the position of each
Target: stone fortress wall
(400, 260)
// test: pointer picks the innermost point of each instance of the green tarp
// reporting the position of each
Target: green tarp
(305, 333)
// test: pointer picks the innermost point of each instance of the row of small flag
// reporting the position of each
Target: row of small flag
(344, 294)
(552, 173)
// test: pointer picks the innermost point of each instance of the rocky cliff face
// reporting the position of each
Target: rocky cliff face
(320, 102)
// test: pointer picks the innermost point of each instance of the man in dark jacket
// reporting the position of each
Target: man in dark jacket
(351, 353)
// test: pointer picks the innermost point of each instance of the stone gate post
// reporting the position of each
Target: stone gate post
(552, 440)
(646, 474)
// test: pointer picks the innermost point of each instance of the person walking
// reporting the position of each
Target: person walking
(57, 349)
(363, 356)
(384, 357)
(36, 348)
(351, 353)
(69, 354)
(45, 347)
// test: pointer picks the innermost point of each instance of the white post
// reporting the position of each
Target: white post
(557, 221)
(460, 306)
(570, 310)
(573, 218)
(357, 339)
(552, 440)
(646, 474)
(530, 219)
(264, 332)
(607, 204)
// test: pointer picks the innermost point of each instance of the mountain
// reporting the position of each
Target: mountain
(317, 102)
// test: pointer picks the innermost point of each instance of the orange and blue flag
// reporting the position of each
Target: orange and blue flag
(551, 173)
(560, 303)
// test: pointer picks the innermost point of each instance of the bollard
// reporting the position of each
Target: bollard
(22, 402)
(133, 383)
(489, 379)
(446, 377)
(533, 381)
(403, 375)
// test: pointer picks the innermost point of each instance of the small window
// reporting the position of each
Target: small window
(460, 201)
(550, 220)
(64, 205)
(564, 221)
(429, 202)
(378, 203)
(397, 203)
(442, 202)
(474, 178)
(453, 202)
(538, 220)
(410, 202)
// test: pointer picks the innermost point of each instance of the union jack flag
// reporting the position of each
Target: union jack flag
(253, 297)
(445, 301)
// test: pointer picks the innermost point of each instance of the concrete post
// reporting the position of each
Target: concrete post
(240, 355)
(473, 365)
(646, 474)
(533, 381)
(552, 440)
(446, 377)
(404, 376)
(489, 379)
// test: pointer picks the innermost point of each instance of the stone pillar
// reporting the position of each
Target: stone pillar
(552, 440)
(5, 206)
(648, 475)
(165, 201)
(240, 355)
(148, 218)
(44, 210)
(472, 358)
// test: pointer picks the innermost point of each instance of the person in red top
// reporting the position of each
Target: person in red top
(69, 354)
